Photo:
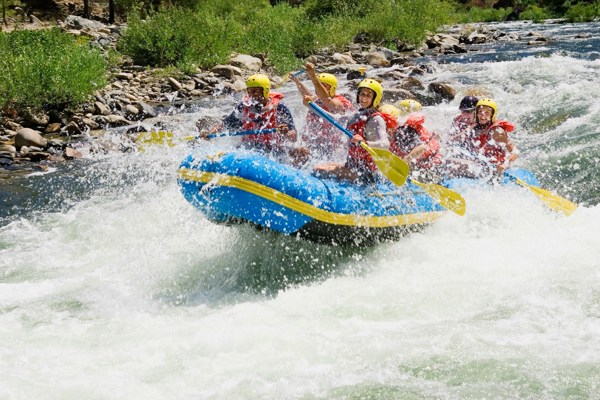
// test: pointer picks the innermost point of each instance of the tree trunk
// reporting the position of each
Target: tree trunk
(86, 8)
(111, 11)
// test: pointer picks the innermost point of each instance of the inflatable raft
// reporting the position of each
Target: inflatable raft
(245, 187)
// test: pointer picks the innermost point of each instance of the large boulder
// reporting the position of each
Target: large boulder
(30, 138)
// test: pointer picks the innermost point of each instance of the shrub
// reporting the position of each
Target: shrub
(177, 37)
(48, 69)
(407, 21)
(206, 35)
(476, 14)
(583, 12)
(535, 13)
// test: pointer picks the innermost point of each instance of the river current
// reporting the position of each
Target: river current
(113, 287)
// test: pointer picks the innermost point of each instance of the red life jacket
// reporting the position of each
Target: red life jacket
(357, 156)
(431, 156)
(265, 119)
(391, 123)
(483, 142)
(322, 133)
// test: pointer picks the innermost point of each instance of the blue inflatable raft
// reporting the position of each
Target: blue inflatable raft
(246, 187)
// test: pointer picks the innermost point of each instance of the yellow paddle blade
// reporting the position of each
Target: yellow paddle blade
(160, 138)
(392, 166)
(447, 198)
(553, 201)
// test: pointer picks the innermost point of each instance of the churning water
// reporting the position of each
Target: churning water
(113, 287)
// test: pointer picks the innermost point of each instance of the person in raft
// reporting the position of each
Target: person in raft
(489, 138)
(463, 123)
(412, 142)
(322, 138)
(262, 109)
(367, 125)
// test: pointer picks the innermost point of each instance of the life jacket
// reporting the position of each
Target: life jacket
(357, 156)
(322, 133)
(415, 122)
(265, 119)
(391, 123)
(482, 142)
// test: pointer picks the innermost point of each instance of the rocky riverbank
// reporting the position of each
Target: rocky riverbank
(30, 140)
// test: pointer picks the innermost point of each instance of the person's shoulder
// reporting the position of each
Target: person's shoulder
(281, 106)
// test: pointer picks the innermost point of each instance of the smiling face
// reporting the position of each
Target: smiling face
(365, 97)
(484, 114)
(468, 116)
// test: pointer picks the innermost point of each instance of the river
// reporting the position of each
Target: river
(113, 287)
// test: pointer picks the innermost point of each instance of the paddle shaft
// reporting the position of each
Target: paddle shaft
(242, 133)
(329, 118)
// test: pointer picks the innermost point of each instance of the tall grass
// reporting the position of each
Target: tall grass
(47, 69)
(203, 36)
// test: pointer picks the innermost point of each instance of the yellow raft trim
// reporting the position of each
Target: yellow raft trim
(309, 210)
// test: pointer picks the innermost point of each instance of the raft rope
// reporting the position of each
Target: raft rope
(304, 208)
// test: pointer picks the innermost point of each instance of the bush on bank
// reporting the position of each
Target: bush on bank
(283, 33)
(47, 69)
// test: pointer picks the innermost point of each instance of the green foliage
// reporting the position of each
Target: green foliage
(316, 9)
(582, 12)
(407, 21)
(476, 14)
(177, 37)
(47, 69)
(535, 13)
(206, 36)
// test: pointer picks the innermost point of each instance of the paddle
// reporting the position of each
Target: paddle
(164, 137)
(287, 77)
(553, 201)
(392, 166)
(447, 198)
(396, 170)
(160, 137)
(242, 133)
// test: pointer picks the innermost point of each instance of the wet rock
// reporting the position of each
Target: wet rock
(101, 109)
(411, 83)
(394, 94)
(6, 159)
(53, 127)
(7, 149)
(226, 71)
(246, 62)
(116, 120)
(35, 118)
(35, 155)
(146, 110)
(174, 83)
(71, 153)
(124, 76)
(442, 90)
(345, 58)
(377, 59)
(27, 137)
(75, 22)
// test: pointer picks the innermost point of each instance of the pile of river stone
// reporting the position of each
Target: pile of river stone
(136, 93)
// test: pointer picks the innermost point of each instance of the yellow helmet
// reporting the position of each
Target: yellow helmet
(390, 109)
(408, 106)
(375, 87)
(489, 103)
(330, 80)
(259, 80)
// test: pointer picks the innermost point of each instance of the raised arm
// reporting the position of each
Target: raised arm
(331, 103)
